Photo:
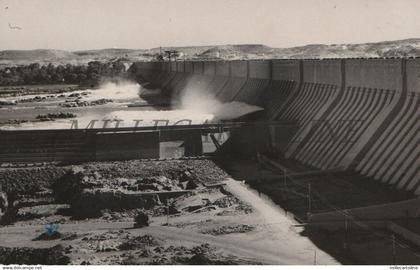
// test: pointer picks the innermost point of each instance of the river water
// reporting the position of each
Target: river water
(192, 110)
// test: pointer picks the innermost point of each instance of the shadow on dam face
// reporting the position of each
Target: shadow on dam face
(381, 95)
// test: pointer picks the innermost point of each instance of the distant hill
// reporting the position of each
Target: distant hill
(104, 53)
(398, 48)
(244, 51)
(36, 55)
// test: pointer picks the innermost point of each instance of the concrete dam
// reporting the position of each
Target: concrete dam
(332, 143)
(358, 115)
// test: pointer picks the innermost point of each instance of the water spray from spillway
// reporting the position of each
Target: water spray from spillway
(120, 91)
(196, 99)
(196, 107)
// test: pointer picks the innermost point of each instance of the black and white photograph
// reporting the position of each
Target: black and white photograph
(275, 133)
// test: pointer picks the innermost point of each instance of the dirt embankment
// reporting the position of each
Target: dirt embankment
(181, 195)
(94, 187)
(23, 181)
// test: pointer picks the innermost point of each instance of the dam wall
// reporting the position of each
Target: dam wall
(258, 79)
(353, 114)
(238, 75)
(198, 80)
(319, 90)
(285, 80)
(357, 112)
(221, 78)
(394, 156)
(166, 75)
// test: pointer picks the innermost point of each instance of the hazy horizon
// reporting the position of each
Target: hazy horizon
(106, 24)
(209, 45)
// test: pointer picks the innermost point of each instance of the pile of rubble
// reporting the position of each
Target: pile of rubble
(204, 171)
(80, 103)
(13, 122)
(185, 181)
(52, 116)
(79, 95)
(89, 193)
(35, 99)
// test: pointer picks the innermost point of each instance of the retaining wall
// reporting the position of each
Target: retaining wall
(76, 145)
(52, 145)
(126, 145)
(91, 144)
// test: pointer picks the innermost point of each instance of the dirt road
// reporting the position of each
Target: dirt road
(287, 243)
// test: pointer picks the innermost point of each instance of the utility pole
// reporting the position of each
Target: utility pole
(167, 214)
(346, 232)
(394, 250)
(309, 198)
(285, 178)
(285, 186)
(172, 53)
(168, 203)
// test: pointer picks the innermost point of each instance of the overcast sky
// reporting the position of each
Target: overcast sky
(93, 24)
